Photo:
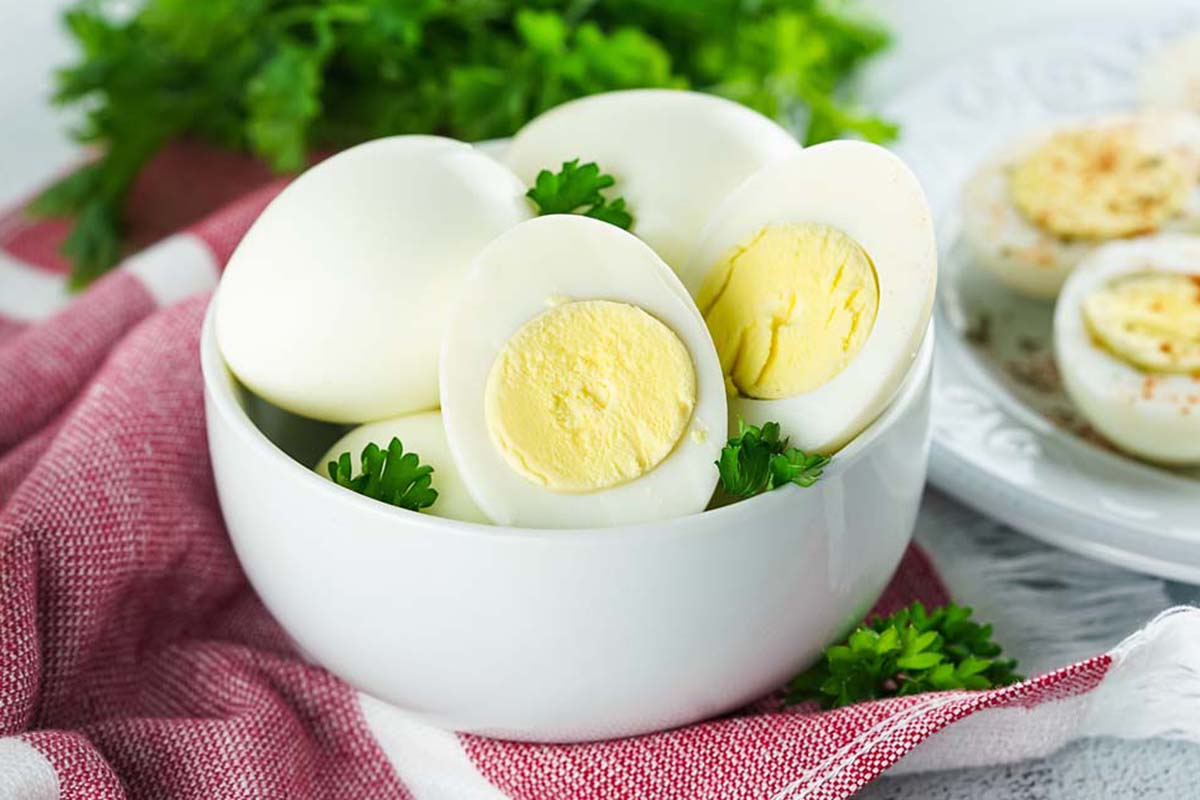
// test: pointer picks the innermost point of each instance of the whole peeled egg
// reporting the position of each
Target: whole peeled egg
(334, 303)
(674, 155)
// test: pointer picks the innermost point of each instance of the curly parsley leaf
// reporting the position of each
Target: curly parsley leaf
(796, 466)
(909, 652)
(578, 186)
(391, 476)
(613, 213)
(759, 459)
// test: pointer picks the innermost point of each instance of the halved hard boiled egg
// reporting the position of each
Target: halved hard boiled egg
(674, 154)
(1171, 80)
(816, 279)
(1127, 342)
(579, 385)
(334, 303)
(423, 434)
(1032, 212)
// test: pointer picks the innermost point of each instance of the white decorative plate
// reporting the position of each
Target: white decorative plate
(1006, 439)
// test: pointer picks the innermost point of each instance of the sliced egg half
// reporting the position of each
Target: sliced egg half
(674, 154)
(334, 303)
(579, 385)
(424, 435)
(1172, 78)
(816, 279)
(1037, 208)
(1127, 342)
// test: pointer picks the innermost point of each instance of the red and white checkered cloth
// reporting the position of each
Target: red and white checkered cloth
(135, 661)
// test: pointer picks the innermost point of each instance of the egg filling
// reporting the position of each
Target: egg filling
(589, 395)
(1099, 183)
(789, 309)
(1150, 320)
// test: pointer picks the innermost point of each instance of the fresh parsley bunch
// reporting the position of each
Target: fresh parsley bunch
(759, 459)
(909, 652)
(391, 476)
(282, 77)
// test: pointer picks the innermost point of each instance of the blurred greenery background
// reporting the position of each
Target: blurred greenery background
(283, 78)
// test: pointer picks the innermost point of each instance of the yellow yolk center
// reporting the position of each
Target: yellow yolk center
(1150, 320)
(589, 395)
(790, 308)
(1099, 183)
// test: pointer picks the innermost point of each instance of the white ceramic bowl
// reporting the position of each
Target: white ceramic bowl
(563, 635)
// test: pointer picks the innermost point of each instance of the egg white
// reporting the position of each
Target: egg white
(423, 434)
(1156, 419)
(1171, 80)
(551, 259)
(674, 154)
(869, 194)
(334, 303)
(1034, 261)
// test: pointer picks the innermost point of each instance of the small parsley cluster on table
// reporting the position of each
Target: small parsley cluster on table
(910, 652)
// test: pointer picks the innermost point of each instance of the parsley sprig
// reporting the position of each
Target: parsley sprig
(909, 652)
(758, 459)
(392, 476)
(577, 186)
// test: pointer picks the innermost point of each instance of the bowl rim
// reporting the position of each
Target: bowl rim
(219, 382)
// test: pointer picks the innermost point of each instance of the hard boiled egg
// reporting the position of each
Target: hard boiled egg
(334, 304)
(424, 435)
(579, 385)
(1127, 342)
(1032, 212)
(674, 155)
(1172, 78)
(816, 279)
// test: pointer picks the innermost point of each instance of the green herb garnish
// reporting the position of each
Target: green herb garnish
(757, 459)
(576, 187)
(910, 652)
(391, 476)
(283, 78)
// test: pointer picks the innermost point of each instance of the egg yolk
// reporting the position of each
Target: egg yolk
(589, 395)
(789, 309)
(1150, 320)
(1099, 183)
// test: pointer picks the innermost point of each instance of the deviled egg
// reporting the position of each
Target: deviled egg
(1127, 343)
(816, 280)
(1171, 80)
(420, 433)
(674, 155)
(1035, 210)
(334, 304)
(579, 386)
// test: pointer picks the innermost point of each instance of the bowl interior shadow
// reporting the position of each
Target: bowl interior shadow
(302, 439)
